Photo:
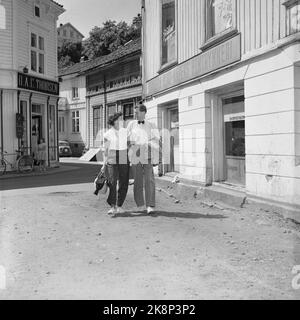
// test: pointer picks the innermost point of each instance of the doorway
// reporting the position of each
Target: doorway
(234, 140)
(173, 126)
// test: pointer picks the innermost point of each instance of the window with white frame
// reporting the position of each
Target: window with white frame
(37, 53)
(75, 121)
(293, 16)
(61, 124)
(75, 94)
(219, 17)
(168, 32)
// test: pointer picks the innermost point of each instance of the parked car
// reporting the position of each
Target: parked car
(64, 149)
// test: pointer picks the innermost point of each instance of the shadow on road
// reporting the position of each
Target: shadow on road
(184, 215)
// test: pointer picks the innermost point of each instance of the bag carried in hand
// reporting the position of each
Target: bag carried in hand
(101, 183)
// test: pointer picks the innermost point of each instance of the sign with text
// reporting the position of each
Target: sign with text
(210, 60)
(38, 84)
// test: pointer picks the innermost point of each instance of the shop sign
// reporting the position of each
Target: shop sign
(19, 125)
(37, 84)
(212, 59)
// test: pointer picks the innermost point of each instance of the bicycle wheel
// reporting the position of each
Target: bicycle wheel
(2, 167)
(25, 164)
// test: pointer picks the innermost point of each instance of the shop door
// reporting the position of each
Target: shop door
(174, 139)
(36, 133)
(234, 125)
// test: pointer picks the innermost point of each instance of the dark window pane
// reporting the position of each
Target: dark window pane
(235, 138)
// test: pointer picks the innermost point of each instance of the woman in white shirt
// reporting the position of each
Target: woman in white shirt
(116, 160)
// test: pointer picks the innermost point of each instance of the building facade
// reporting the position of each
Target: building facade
(222, 77)
(93, 90)
(67, 32)
(29, 89)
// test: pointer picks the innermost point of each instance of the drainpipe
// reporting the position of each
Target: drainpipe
(30, 123)
(19, 109)
(143, 49)
(1, 117)
(57, 150)
(47, 115)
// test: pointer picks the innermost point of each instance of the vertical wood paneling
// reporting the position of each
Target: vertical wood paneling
(263, 20)
(260, 22)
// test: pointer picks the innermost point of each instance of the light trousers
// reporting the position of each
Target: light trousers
(144, 181)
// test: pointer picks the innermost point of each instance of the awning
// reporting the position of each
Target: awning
(94, 154)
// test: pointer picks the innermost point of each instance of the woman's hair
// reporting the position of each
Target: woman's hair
(113, 118)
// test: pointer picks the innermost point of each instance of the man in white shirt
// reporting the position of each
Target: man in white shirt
(143, 155)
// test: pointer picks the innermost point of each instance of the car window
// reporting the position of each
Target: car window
(64, 144)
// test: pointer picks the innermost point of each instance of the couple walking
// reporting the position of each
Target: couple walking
(136, 146)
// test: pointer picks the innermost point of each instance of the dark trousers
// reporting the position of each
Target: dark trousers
(117, 172)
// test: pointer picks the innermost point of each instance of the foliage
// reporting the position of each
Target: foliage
(106, 39)
(69, 53)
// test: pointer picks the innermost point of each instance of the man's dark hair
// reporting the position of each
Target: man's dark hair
(141, 107)
(113, 118)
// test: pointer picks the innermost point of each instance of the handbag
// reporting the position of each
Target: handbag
(101, 182)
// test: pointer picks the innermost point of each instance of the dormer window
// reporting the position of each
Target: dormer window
(37, 11)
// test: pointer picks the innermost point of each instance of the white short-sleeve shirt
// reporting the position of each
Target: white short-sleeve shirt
(117, 138)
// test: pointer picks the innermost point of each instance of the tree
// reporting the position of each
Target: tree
(106, 39)
(69, 53)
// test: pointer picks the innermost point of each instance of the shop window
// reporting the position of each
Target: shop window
(111, 109)
(220, 20)
(168, 33)
(97, 121)
(293, 16)
(37, 54)
(23, 111)
(75, 122)
(61, 124)
(75, 93)
(2, 17)
(128, 111)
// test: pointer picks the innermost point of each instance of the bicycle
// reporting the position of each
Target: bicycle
(23, 164)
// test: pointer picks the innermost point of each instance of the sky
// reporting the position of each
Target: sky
(85, 14)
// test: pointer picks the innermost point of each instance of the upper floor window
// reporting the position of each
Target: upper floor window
(71, 34)
(37, 11)
(168, 32)
(75, 121)
(293, 16)
(37, 53)
(75, 94)
(2, 16)
(65, 33)
(219, 16)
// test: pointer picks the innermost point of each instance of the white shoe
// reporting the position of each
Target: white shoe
(150, 210)
(120, 210)
(112, 211)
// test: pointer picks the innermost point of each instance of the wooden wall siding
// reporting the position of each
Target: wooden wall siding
(260, 22)
(46, 26)
(122, 70)
(6, 37)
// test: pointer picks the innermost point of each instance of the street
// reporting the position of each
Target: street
(57, 242)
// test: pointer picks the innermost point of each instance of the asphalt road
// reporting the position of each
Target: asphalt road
(78, 173)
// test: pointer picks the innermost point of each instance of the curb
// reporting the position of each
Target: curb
(222, 197)
(37, 173)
